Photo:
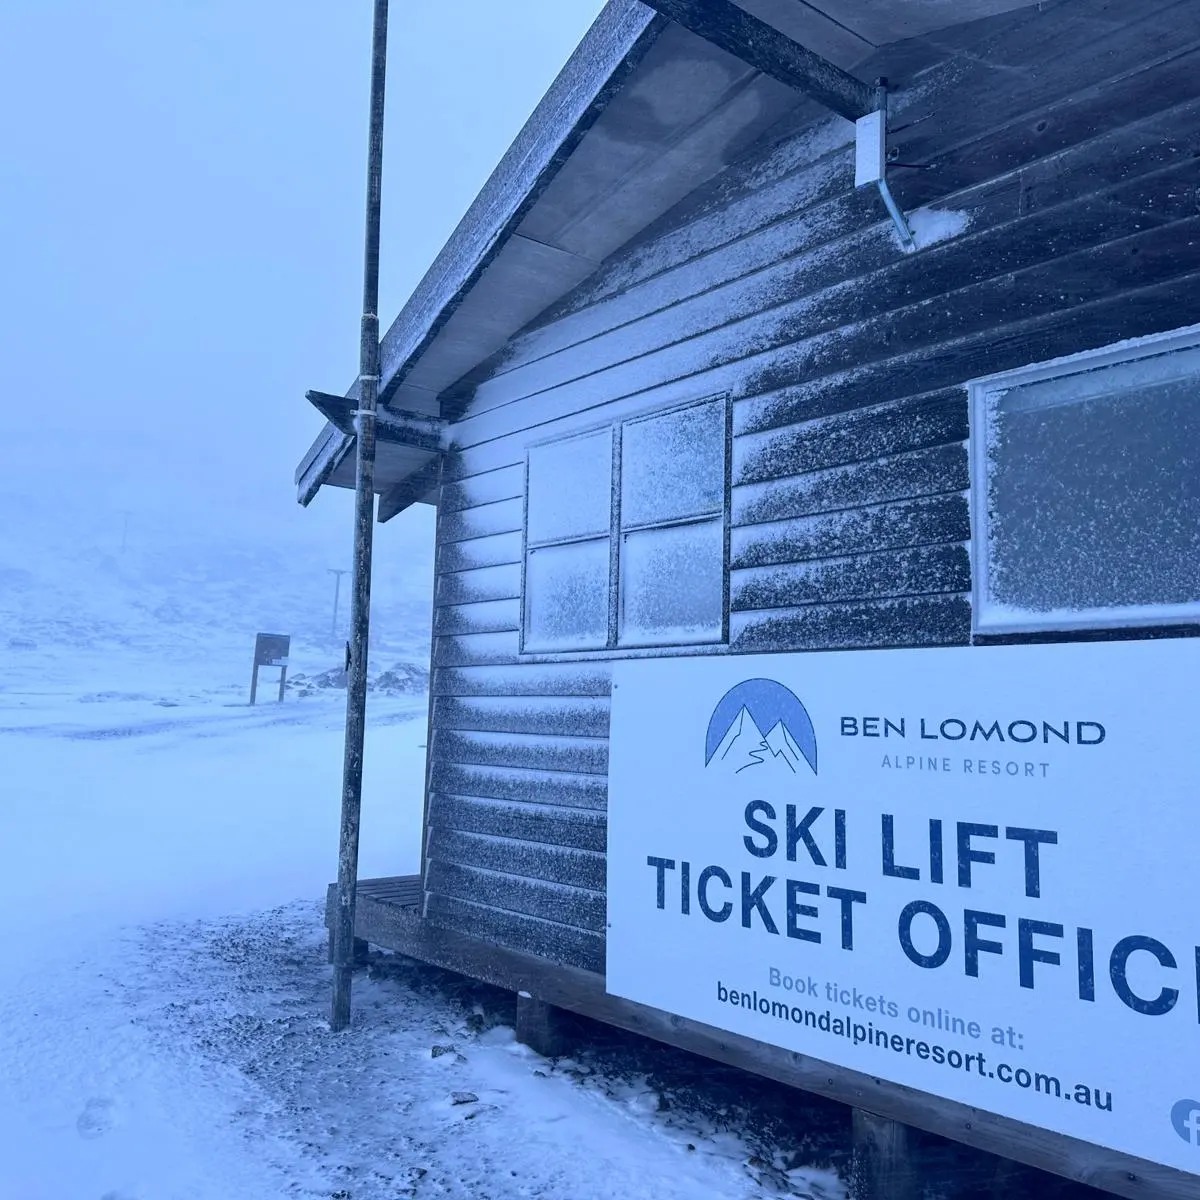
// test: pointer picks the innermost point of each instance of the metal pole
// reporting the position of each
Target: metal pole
(364, 521)
(337, 591)
(889, 201)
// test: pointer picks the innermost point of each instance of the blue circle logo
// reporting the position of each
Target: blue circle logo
(1185, 1117)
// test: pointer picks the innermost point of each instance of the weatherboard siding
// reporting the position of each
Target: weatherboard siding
(844, 362)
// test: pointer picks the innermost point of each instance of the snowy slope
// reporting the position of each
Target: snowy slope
(118, 595)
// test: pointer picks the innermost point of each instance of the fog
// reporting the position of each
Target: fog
(181, 209)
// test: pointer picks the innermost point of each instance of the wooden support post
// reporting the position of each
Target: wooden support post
(282, 682)
(1011, 1179)
(540, 1026)
(883, 1167)
(254, 683)
(360, 952)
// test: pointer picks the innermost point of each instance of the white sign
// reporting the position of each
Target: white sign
(975, 872)
(870, 149)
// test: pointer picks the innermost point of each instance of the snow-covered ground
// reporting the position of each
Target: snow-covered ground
(163, 986)
(163, 976)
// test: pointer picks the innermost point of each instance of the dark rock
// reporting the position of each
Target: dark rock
(404, 679)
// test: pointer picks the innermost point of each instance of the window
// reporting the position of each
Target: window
(1086, 489)
(625, 534)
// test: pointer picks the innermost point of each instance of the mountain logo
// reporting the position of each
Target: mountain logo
(760, 723)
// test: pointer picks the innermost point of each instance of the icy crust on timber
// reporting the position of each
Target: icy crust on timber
(550, 940)
(1154, 270)
(545, 823)
(865, 435)
(583, 755)
(492, 551)
(582, 717)
(787, 379)
(543, 679)
(749, 318)
(504, 483)
(1074, 168)
(484, 520)
(557, 864)
(907, 475)
(517, 828)
(471, 586)
(452, 649)
(919, 621)
(914, 572)
(918, 522)
(804, 344)
(512, 783)
(637, 288)
(797, 174)
(485, 616)
(502, 890)
(746, 206)
(562, 903)
(797, 267)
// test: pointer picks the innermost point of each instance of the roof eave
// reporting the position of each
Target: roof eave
(613, 46)
(611, 49)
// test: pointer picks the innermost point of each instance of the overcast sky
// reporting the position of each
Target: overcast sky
(181, 212)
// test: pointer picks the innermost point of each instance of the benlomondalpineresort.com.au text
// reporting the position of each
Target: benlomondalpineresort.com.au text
(866, 1033)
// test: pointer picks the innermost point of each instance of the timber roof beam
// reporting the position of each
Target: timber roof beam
(765, 48)
(410, 490)
(395, 426)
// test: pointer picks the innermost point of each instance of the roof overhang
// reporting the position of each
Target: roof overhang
(643, 113)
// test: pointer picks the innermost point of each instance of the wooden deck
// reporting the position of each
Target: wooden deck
(400, 891)
(388, 915)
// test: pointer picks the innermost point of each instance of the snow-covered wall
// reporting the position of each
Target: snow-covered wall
(1057, 214)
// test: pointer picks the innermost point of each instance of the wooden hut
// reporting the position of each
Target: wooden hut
(683, 393)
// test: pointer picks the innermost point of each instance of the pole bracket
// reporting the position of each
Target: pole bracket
(870, 161)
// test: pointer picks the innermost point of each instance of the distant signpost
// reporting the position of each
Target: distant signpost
(270, 650)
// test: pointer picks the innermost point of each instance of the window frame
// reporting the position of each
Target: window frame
(979, 391)
(613, 645)
(572, 540)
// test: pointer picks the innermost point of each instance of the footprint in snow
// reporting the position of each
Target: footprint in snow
(97, 1118)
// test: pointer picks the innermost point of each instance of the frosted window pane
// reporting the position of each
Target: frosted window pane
(570, 488)
(566, 596)
(1094, 489)
(674, 465)
(673, 584)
